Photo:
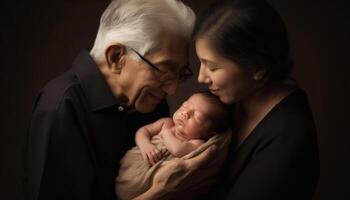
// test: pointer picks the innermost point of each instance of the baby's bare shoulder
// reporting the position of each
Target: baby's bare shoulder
(166, 122)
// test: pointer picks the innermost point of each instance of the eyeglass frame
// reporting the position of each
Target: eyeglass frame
(179, 79)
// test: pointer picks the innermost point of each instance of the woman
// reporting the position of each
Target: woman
(244, 54)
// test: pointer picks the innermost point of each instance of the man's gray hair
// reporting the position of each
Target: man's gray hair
(139, 23)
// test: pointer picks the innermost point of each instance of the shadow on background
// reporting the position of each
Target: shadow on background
(39, 40)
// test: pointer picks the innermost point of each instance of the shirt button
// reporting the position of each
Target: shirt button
(120, 108)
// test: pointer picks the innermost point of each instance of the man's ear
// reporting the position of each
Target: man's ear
(259, 73)
(115, 57)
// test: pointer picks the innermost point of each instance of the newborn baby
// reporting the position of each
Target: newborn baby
(198, 119)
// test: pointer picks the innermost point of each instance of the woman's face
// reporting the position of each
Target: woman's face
(224, 78)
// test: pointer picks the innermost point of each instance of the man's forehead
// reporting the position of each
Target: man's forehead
(168, 38)
(171, 49)
(170, 44)
(169, 59)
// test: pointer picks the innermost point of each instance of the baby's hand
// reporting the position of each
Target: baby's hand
(150, 153)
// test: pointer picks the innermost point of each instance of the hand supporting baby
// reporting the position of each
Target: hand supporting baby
(199, 172)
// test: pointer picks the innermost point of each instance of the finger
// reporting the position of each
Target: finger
(202, 159)
(158, 154)
(144, 156)
(155, 156)
(150, 158)
(165, 153)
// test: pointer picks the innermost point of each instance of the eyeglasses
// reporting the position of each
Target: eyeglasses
(167, 76)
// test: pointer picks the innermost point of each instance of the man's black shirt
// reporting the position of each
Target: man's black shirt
(78, 133)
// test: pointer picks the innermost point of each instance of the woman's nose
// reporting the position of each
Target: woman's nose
(202, 76)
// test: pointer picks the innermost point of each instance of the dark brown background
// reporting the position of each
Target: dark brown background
(39, 40)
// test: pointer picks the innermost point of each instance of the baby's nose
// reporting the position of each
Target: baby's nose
(184, 115)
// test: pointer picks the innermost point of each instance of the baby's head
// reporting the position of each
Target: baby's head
(200, 116)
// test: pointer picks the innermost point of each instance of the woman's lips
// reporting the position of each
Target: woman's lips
(214, 90)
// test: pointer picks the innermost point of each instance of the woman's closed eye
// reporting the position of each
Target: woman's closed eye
(212, 67)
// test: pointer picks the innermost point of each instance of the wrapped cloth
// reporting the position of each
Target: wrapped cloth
(136, 175)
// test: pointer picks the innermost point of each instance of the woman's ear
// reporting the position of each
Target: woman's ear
(115, 55)
(259, 73)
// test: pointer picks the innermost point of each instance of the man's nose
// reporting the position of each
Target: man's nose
(170, 88)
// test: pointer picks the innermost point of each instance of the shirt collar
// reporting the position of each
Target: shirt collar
(94, 85)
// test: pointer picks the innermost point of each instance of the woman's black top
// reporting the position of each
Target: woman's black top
(278, 160)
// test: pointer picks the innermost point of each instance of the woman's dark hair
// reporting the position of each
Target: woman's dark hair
(250, 33)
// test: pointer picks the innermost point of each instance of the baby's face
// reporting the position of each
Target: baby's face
(192, 118)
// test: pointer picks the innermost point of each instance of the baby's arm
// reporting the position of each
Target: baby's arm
(177, 147)
(143, 139)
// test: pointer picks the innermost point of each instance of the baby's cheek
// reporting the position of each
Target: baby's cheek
(175, 114)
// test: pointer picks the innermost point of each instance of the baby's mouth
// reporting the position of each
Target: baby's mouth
(179, 122)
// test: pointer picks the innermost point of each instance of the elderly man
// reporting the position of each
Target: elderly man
(84, 121)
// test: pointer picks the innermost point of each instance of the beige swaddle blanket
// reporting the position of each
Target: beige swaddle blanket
(136, 175)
